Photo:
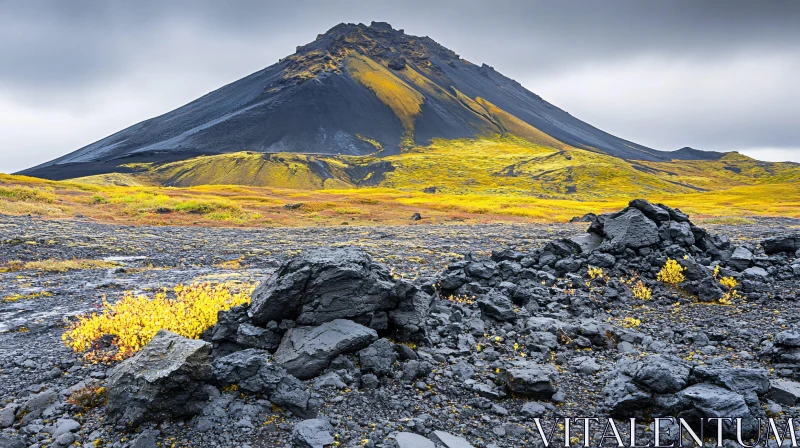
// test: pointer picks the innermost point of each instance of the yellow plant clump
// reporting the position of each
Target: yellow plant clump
(134, 320)
(671, 273)
(595, 272)
(640, 291)
(463, 299)
(631, 322)
(728, 282)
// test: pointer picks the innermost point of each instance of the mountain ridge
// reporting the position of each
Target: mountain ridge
(355, 90)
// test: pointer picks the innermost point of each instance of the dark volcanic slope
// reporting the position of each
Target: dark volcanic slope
(352, 87)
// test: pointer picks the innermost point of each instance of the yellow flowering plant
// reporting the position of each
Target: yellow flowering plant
(134, 320)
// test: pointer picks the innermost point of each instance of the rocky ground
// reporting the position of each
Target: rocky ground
(432, 344)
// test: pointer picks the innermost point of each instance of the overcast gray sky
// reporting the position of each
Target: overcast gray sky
(715, 75)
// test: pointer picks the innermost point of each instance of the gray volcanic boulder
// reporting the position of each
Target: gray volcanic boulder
(497, 305)
(306, 351)
(623, 398)
(785, 392)
(587, 241)
(783, 243)
(785, 353)
(250, 369)
(750, 383)
(741, 258)
(314, 433)
(256, 337)
(631, 229)
(411, 440)
(166, 379)
(451, 441)
(407, 320)
(660, 374)
(378, 357)
(656, 212)
(291, 394)
(711, 401)
(533, 380)
(663, 385)
(322, 285)
(9, 442)
(788, 338)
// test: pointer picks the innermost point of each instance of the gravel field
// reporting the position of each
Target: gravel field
(467, 371)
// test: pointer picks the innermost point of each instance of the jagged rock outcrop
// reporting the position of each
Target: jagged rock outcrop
(664, 385)
(327, 284)
(306, 351)
(167, 379)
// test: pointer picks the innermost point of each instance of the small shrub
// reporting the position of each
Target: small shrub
(595, 273)
(99, 199)
(134, 320)
(728, 282)
(671, 273)
(88, 397)
(631, 322)
(640, 291)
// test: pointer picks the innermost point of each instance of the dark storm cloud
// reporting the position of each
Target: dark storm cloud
(56, 44)
(84, 55)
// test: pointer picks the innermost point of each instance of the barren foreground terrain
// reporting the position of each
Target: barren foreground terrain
(450, 380)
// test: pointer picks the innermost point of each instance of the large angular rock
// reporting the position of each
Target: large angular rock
(631, 229)
(250, 369)
(789, 243)
(451, 441)
(411, 440)
(10, 442)
(533, 380)
(741, 381)
(322, 285)
(680, 233)
(714, 401)
(7, 417)
(497, 305)
(660, 374)
(256, 337)
(306, 351)
(379, 357)
(623, 399)
(788, 338)
(741, 258)
(166, 379)
(37, 404)
(587, 242)
(785, 392)
(291, 394)
(314, 433)
(657, 213)
(407, 320)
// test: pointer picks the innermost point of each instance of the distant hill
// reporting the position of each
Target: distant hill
(356, 90)
(508, 166)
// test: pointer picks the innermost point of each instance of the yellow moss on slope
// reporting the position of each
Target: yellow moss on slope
(403, 99)
(731, 170)
(515, 166)
(275, 170)
(513, 125)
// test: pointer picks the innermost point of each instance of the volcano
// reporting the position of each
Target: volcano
(356, 90)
